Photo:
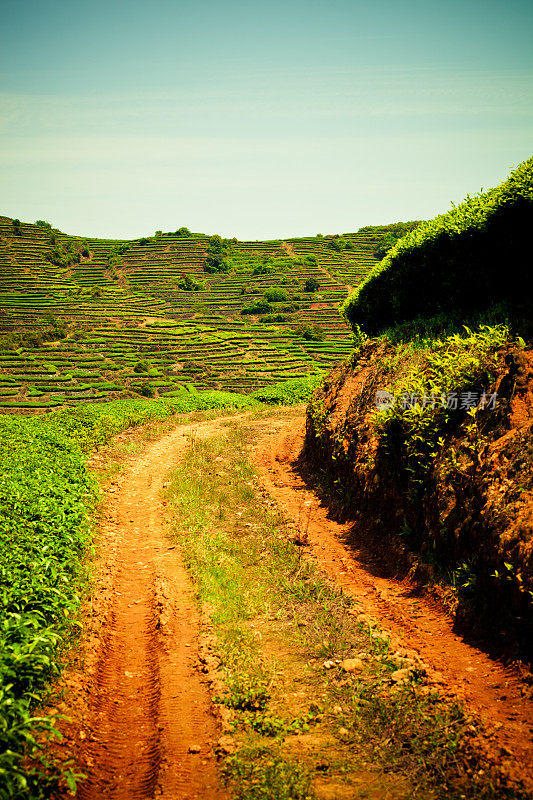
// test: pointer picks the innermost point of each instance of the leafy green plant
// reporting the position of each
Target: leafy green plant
(218, 253)
(259, 776)
(311, 332)
(259, 307)
(337, 243)
(190, 284)
(421, 410)
(296, 390)
(66, 254)
(142, 366)
(457, 258)
(146, 390)
(275, 295)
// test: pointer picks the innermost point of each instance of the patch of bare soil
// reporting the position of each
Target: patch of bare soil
(495, 693)
(289, 249)
(141, 722)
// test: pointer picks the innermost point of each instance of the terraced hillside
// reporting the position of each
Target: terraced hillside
(83, 319)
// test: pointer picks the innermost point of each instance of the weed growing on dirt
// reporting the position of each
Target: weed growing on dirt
(447, 368)
(258, 773)
(285, 640)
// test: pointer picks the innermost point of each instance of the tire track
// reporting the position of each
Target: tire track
(150, 727)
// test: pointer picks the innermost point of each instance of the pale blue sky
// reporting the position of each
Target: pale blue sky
(256, 120)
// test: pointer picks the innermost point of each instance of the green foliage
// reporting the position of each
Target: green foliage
(384, 237)
(311, 285)
(191, 284)
(275, 294)
(218, 253)
(115, 259)
(259, 776)
(142, 366)
(414, 429)
(64, 255)
(311, 332)
(17, 230)
(45, 494)
(146, 389)
(41, 223)
(12, 341)
(296, 390)
(454, 262)
(273, 318)
(58, 329)
(144, 241)
(183, 232)
(265, 267)
(259, 307)
(337, 243)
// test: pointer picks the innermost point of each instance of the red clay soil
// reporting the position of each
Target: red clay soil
(493, 692)
(147, 726)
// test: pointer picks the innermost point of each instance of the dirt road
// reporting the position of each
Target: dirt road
(146, 725)
(148, 728)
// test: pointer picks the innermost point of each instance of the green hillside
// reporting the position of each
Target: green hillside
(85, 319)
(474, 260)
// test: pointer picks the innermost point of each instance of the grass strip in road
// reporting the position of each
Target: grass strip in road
(318, 704)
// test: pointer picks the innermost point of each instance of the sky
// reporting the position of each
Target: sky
(258, 120)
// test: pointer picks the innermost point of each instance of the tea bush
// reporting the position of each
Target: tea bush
(455, 261)
(296, 390)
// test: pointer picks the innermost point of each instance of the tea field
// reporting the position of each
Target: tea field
(85, 320)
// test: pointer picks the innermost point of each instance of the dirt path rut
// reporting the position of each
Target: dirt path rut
(490, 689)
(149, 727)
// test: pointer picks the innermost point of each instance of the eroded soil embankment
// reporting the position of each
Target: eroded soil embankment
(490, 690)
(450, 494)
(143, 714)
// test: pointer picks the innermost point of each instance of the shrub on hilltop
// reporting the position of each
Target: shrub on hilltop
(384, 237)
(218, 253)
(41, 223)
(473, 258)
